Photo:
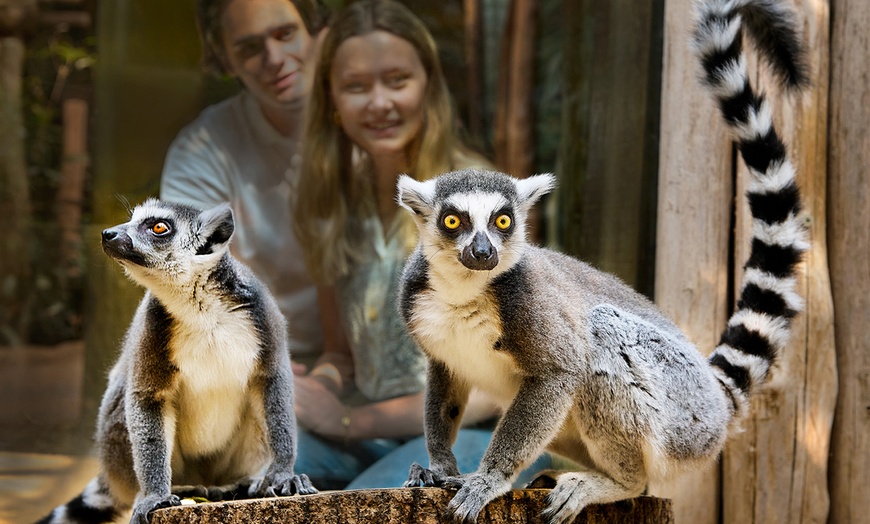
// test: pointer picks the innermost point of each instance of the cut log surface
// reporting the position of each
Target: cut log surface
(401, 506)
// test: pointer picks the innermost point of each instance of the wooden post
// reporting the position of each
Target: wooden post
(401, 506)
(513, 134)
(70, 193)
(776, 469)
(609, 151)
(473, 49)
(848, 223)
(694, 217)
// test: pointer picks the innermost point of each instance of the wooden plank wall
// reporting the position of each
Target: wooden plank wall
(776, 470)
(849, 252)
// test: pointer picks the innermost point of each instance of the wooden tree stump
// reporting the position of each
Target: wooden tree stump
(401, 506)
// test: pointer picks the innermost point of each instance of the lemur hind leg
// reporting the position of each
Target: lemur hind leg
(643, 409)
(652, 386)
(576, 490)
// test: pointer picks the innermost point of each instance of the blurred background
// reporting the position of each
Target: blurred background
(92, 93)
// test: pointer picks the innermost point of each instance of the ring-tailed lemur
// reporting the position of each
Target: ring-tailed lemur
(202, 393)
(583, 365)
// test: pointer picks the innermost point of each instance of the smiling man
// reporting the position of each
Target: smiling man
(244, 150)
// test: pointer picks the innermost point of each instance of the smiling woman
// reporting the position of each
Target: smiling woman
(379, 91)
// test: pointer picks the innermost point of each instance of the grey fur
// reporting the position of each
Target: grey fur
(202, 393)
(582, 364)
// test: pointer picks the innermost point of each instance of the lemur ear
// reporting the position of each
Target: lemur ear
(414, 195)
(530, 189)
(216, 226)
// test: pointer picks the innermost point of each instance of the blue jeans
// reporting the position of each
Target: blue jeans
(391, 471)
(331, 464)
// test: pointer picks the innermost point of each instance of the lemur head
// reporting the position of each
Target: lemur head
(472, 218)
(169, 244)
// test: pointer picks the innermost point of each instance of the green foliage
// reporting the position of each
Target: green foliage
(49, 304)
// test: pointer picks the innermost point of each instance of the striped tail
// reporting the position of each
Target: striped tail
(760, 327)
(95, 505)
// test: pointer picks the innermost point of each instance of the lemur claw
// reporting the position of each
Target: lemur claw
(282, 485)
(420, 477)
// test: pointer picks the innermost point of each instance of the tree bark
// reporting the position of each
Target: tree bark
(776, 469)
(849, 235)
(401, 506)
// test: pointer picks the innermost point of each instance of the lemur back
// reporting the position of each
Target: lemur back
(201, 398)
(583, 365)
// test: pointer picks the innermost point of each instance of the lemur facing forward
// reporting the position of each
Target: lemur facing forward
(583, 365)
(202, 393)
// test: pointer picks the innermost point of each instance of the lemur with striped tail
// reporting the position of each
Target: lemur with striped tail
(582, 364)
(201, 398)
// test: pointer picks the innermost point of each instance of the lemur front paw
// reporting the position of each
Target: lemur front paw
(420, 477)
(282, 485)
(143, 507)
(476, 490)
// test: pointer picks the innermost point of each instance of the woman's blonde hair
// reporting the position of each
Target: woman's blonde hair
(333, 197)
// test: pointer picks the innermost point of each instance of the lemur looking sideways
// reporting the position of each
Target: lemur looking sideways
(582, 364)
(202, 393)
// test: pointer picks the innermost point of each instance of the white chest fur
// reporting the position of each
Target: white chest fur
(216, 355)
(463, 338)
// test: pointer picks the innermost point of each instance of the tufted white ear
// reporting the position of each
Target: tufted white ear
(532, 188)
(415, 196)
(216, 227)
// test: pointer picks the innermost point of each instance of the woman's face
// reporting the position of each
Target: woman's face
(378, 87)
(269, 49)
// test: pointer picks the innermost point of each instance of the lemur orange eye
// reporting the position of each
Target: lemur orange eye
(451, 222)
(160, 228)
(503, 222)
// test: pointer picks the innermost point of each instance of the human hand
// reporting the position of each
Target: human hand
(318, 409)
(298, 368)
(335, 371)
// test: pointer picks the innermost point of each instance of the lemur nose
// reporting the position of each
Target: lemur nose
(481, 248)
(109, 235)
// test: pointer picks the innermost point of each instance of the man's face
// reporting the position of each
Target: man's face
(269, 49)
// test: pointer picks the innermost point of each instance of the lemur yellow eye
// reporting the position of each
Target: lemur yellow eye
(503, 222)
(160, 228)
(451, 222)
